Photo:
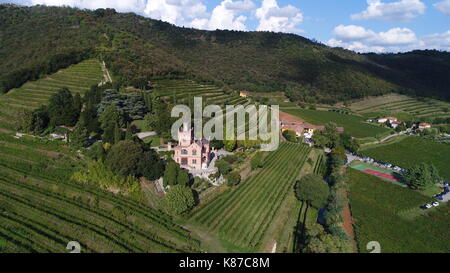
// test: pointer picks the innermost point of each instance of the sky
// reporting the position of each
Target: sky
(359, 25)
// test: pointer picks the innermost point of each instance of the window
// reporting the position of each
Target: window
(194, 152)
(194, 161)
(184, 161)
(184, 152)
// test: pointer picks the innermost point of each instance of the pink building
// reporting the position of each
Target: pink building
(191, 153)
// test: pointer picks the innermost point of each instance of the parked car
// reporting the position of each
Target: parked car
(427, 206)
(435, 204)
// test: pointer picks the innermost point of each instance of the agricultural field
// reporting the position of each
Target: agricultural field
(401, 106)
(183, 90)
(352, 124)
(391, 215)
(41, 209)
(410, 151)
(243, 217)
(77, 78)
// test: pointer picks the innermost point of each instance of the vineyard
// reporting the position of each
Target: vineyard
(391, 215)
(182, 91)
(243, 216)
(77, 78)
(401, 154)
(401, 104)
(41, 209)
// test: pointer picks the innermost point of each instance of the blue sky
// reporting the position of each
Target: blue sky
(360, 25)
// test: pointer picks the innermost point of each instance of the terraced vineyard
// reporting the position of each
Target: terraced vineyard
(41, 210)
(243, 216)
(182, 90)
(426, 108)
(77, 78)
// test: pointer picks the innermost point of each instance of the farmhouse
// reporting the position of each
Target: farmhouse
(424, 125)
(390, 119)
(244, 94)
(395, 124)
(190, 153)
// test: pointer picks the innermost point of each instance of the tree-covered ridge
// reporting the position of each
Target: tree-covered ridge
(137, 48)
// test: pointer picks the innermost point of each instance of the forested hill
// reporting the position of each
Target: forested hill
(38, 40)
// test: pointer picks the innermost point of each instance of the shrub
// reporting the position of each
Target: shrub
(179, 199)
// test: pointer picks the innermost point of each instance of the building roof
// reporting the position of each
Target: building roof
(424, 124)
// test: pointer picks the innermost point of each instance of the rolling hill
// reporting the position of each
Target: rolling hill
(40, 40)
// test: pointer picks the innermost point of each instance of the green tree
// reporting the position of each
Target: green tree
(327, 243)
(422, 176)
(313, 190)
(61, 109)
(230, 145)
(290, 136)
(183, 177)
(179, 199)
(223, 166)
(117, 133)
(171, 173)
(257, 161)
(79, 137)
(233, 179)
(97, 152)
(349, 143)
(150, 165)
(124, 157)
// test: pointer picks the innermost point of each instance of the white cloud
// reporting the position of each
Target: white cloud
(443, 6)
(226, 16)
(178, 12)
(273, 18)
(360, 39)
(403, 10)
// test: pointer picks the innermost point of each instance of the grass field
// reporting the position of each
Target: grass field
(77, 78)
(391, 215)
(401, 106)
(410, 151)
(354, 125)
(243, 216)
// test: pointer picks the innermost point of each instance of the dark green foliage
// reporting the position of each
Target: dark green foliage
(118, 135)
(171, 173)
(97, 152)
(34, 122)
(179, 199)
(223, 166)
(62, 110)
(422, 176)
(257, 161)
(129, 106)
(124, 158)
(78, 138)
(150, 165)
(312, 189)
(230, 145)
(233, 179)
(217, 144)
(183, 178)
(349, 143)
(290, 136)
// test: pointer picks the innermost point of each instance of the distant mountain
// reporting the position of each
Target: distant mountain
(38, 40)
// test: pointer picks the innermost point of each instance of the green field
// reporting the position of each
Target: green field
(354, 125)
(402, 107)
(243, 217)
(183, 90)
(77, 78)
(391, 215)
(410, 151)
(41, 209)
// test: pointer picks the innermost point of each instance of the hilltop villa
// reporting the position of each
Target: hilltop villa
(191, 154)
